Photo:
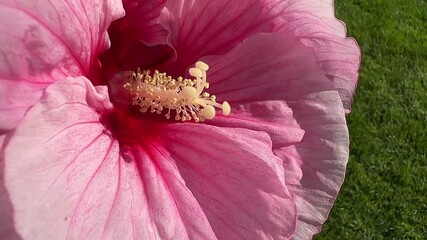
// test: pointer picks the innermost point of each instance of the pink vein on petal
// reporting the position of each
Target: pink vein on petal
(115, 195)
(67, 128)
(66, 167)
(156, 167)
(208, 153)
(87, 187)
(138, 168)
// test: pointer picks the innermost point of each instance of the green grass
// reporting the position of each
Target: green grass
(385, 192)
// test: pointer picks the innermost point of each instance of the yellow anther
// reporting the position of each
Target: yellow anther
(208, 112)
(195, 72)
(158, 92)
(202, 66)
(189, 92)
(226, 109)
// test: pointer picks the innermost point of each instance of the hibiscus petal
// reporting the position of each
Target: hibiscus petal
(142, 19)
(315, 24)
(138, 39)
(44, 41)
(265, 67)
(284, 93)
(321, 157)
(204, 27)
(237, 180)
(199, 28)
(260, 83)
(67, 178)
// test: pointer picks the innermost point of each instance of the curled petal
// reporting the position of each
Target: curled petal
(315, 167)
(138, 39)
(43, 41)
(315, 24)
(142, 20)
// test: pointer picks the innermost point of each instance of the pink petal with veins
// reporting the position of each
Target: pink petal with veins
(315, 24)
(284, 93)
(235, 177)
(73, 183)
(203, 27)
(315, 167)
(45, 41)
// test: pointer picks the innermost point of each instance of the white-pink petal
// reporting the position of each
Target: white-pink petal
(315, 167)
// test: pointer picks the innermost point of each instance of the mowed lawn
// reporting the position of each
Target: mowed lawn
(385, 192)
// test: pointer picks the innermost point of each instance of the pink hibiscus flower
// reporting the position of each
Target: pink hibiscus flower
(79, 159)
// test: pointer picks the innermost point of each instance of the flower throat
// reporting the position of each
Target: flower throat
(182, 97)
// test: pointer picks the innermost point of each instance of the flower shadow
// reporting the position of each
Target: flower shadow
(7, 228)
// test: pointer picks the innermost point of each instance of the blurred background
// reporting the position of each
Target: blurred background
(384, 195)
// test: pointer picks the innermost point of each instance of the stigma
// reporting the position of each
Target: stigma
(184, 99)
